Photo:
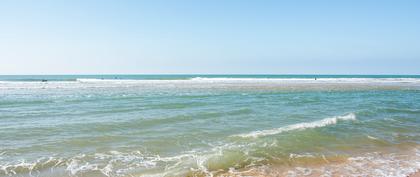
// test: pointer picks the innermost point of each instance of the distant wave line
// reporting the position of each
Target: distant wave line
(221, 80)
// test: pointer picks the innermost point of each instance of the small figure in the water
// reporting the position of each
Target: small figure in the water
(315, 78)
(44, 80)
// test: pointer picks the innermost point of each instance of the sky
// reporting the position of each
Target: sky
(209, 37)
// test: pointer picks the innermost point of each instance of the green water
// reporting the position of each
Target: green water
(198, 125)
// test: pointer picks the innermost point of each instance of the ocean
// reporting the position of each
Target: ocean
(209, 125)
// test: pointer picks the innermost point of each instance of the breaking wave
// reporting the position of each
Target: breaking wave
(114, 163)
(299, 126)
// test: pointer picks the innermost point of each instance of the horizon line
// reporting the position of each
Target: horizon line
(235, 74)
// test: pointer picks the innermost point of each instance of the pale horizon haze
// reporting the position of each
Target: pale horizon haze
(209, 37)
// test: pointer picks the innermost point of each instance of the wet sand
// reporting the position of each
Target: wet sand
(416, 174)
(369, 164)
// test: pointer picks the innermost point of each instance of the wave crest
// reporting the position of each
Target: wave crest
(299, 126)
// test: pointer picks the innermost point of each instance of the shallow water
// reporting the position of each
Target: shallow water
(207, 125)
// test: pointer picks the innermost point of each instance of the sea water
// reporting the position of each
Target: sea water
(209, 125)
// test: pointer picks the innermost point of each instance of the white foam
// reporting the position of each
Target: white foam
(310, 80)
(91, 80)
(379, 164)
(114, 163)
(371, 137)
(299, 126)
(399, 164)
(206, 82)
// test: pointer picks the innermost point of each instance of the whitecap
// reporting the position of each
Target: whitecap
(299, 126)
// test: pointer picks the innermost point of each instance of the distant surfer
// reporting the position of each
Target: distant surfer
(315, 78)
(44, 80)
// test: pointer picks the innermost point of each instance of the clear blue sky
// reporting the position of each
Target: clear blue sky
(225, 37)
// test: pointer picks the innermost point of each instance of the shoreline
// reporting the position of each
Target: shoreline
(404, 163)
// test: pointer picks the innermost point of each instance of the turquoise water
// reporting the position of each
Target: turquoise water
(203, 125)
